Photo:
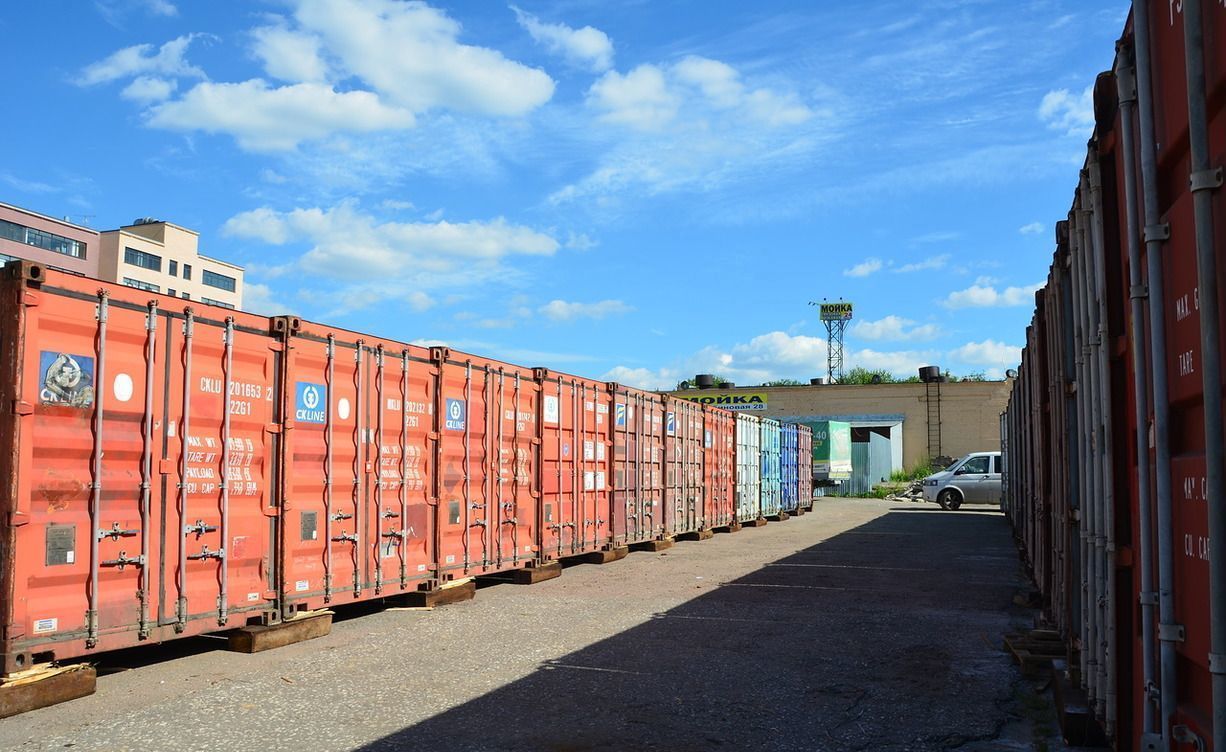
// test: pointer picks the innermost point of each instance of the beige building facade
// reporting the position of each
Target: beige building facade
(163, 257)
(969, 411)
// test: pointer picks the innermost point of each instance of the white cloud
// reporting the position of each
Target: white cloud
(1034, 228)
(894, 328)
(767, 357)
(587, 47)
(864, 268)
(640, 99)
(580, 242)
(146, 89)
(1064, 111)
(899, 362)
(983, 294)
(420, 301)
(932, 262)
(410, 53)
(161, 8)
(350, 246)
(288, 55)
(561, 310)
(259, 299)
(988, 353)
(266, 119)
(139, 60)
(650, 96)
(642, 378)
(272, 176)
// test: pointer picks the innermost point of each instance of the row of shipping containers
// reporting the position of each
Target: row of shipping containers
(172, 469)
(1113, 434)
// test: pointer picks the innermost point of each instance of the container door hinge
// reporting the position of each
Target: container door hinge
(22, 408)
(1185, 735)
(1152, 743)
(1171, 633)
(30, 298)
(1138, 292)
(1149, 598)
(272, 428)
(1217, 663)
(1206, 180)
(166, 467)
(1157, 232)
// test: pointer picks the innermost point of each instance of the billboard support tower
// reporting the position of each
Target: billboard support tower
(835, 316)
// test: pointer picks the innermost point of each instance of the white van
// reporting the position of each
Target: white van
(974, 479)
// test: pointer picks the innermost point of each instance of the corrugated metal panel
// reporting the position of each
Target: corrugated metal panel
(870, 465)
(748, 467)
(771, 469)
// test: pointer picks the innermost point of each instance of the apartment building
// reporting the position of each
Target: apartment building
(55, 243)
(158, 256)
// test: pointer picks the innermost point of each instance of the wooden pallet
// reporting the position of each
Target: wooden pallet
(659, 544)
(735, 527)
(532, 575)
(456, 591)
(257, 638)
(44, 685)
(781, 517)
(1035, 650)
(759, 522)
(604, 557)
(697, 535)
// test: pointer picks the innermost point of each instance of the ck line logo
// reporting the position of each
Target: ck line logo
(309, 402)
(456, 415)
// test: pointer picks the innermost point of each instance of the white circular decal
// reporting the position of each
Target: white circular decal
(310, 397)
(123, 387)
(455, 410)
(342, 409)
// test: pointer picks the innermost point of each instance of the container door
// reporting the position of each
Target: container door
(561, 478)
(514, 452)
(143, 498)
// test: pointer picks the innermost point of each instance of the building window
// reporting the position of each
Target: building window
(46, 240)
(210, 301)
(220, 281)
(187, 271)
(174, 268)
(186, 296)
(144, 260)
(171, 291)
(141, 285)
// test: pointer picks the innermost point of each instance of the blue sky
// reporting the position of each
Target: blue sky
(634, 191)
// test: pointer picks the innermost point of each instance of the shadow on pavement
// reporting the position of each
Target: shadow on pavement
(883, 637)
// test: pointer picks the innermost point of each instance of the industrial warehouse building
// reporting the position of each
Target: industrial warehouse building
(920, 420)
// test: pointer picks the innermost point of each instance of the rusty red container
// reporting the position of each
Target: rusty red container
(139, 440)
(638, 465)
(684, 496)
(719, 467)
(575, 448)
(1047, 433)
(357, 518)
(485, 462)
(805, 465)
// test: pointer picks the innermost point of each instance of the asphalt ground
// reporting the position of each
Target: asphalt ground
(863, 625)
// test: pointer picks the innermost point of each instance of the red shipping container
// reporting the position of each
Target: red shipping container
(575, 431)
(719, 467)
(485, 462)
(638, 465)
(805, 466)
(684, 498)
(139, 504)
(357, 522)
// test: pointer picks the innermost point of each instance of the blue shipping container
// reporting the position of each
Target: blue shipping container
(772, 502)
(789, 460)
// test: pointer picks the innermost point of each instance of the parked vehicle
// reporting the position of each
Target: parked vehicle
(974, 479)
